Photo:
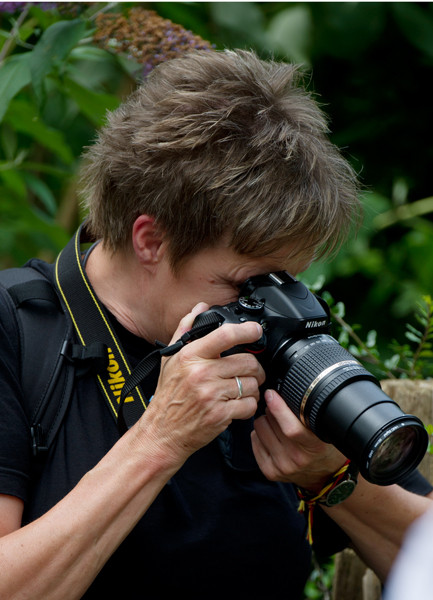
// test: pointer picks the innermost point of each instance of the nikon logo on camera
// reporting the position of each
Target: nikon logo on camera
(116, 379)
(311, 324)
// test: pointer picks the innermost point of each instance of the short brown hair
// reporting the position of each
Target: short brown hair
(221, 143)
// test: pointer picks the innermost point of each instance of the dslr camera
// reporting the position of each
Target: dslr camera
(323, 384)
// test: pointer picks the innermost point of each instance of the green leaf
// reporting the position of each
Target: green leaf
(422, 317)
(426, 353)
(91, 53)
(412, 338)
(93, 104)
(26, 233)
(343, 338)
(392, 363)
(244, 20)
(327, 297)
(355, 350)
(52, 49)
(28, 28)
(237, 15)
(55, 170)
(14, 75)
(9, 142)
(414, 331)
(42, 192)
(371, 339)
(340, 309)
(317, 283)
(22, 116)
(14, 184)
(291, 33)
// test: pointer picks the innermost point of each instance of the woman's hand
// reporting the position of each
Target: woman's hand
(197, 395)
(285, 450)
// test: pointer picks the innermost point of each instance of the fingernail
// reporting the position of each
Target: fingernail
(198, 308)
(269, 396)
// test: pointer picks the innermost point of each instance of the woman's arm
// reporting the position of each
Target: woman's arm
(376, 518)
(60, 554)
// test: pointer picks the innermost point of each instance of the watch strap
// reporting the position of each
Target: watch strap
(342, 488)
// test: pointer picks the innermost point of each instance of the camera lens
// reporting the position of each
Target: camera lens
(393, 452)
(343, 404)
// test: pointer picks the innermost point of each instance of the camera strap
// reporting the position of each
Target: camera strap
(118, 382)
(92, 326)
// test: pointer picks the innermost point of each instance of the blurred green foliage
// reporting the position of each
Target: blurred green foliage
(411, 358)
(369, 64)
(55, 87)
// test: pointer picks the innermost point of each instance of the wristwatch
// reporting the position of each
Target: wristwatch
(343, 488)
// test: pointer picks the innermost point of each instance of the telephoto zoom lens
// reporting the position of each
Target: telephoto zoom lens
(343, 404)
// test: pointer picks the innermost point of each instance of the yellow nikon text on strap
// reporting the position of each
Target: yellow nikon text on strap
(116, 380)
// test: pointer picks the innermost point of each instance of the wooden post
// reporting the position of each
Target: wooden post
(348, 576)
(414, 397)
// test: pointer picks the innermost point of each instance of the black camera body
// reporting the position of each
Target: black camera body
(323, 384)
(283, 306)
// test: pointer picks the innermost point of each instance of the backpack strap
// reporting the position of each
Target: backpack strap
(45, 333)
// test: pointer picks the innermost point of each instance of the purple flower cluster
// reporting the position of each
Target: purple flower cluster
(146, 37)
(13, 7)
(173, 43)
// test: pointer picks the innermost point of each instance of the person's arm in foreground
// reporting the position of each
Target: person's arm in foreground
(375, 517)
(59, 555)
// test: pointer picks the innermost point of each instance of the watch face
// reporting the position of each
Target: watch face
(340, 492)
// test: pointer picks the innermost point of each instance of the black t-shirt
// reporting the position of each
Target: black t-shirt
(213, 530)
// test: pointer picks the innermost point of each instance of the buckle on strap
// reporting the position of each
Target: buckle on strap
(87, 359)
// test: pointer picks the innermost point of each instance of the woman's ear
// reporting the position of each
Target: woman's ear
(147, 240)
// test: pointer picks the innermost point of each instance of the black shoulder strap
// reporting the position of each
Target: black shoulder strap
(92, 326)
(45, 332)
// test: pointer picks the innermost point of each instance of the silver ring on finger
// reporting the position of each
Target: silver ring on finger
(240, 388)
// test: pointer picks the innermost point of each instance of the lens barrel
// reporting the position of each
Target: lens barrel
(343, 404)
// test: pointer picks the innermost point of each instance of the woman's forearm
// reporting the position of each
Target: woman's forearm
(376, 519)
(60, 554)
